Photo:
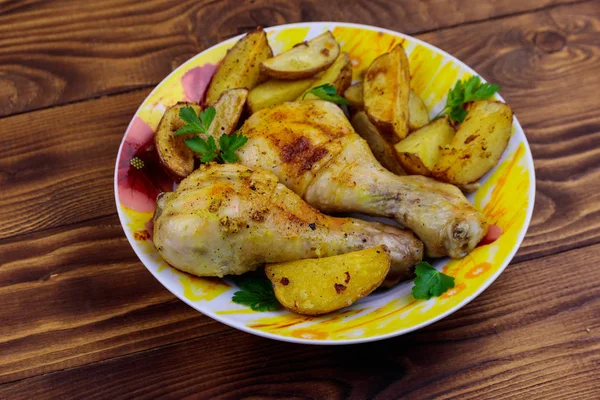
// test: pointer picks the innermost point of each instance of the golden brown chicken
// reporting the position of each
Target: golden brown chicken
(228, 219)
(313, 150)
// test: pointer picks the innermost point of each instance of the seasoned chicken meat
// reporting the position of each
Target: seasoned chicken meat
(229, 219)
(313, 150)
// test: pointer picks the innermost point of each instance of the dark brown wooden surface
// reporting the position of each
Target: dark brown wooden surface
(82, 318)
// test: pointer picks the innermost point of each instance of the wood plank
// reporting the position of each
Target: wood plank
(535, 333)
(57, 165)
(79, 294)
(55, 52)
(78, 186)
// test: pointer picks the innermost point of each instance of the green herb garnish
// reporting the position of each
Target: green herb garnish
(463, 92)
(208, 149)
(327, 92)
(430, 282)
(257, 293)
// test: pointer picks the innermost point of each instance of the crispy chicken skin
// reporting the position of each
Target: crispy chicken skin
(313, 150)
(229, 219)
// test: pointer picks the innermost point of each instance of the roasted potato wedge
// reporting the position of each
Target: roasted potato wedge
(175, 156)
(240, 67)
(228, 110)
(385, 92)
(354, 95)
(382, 150)
(322, 285)
(418, 115)
(420, 151)
(478, 143)
(339, 74)
(275, 92)
(303, 60)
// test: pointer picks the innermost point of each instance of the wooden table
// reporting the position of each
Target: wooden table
(81, 317)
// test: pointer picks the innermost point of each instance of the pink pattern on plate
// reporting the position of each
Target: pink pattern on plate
(140, 176)
(196, 80)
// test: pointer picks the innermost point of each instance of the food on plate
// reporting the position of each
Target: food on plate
(322, 285)
(229, 219)
(298, 150)
(463, 92)
(228, 111)
(478, 144)
(339, 75)
(313, 149)
(304, 59)
(240, 66)
(354, 95)
(275, 92)
(174, 155)
(382, 150)
(419, 152)
(418, 115)
(385, 93)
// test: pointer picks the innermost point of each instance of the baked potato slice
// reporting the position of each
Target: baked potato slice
(418, 115)
(382, 150)
(322, 285)
(275, 91)
(354, 95)
(419, 152)
(385, 92)
(240, 68)
(303, 60)
(478, 144)
(339, 74)
(174, 155)
(228, 110)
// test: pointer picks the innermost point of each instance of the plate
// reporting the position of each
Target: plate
(506, 197)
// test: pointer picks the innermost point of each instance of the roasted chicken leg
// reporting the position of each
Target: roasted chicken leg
(229, 219)
(313, 150)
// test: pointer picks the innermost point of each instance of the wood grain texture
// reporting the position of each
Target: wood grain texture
(82, 318)
(525, 337)
(57, 165)
(78, 294)
(55, 52)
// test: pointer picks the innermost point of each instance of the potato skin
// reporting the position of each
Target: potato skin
(382, 150)
(478, 144)
(419, 152)
(174, 155)
(385, 92)
(240, 68)
(303, 60)
(229, 108)
(322, 285)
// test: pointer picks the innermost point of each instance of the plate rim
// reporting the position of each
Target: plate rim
(234, 324)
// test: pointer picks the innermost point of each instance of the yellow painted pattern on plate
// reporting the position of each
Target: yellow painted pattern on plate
(285, 40)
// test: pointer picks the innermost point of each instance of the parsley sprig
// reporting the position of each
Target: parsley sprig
(463, 92)
(430, 282)
(257, 293)
(327, 92)
(207, 148)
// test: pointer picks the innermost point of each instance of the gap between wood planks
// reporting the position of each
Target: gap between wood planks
(414, 34)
